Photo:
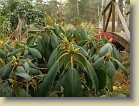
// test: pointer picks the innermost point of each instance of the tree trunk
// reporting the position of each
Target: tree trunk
(18, 30)
(121, 9)
(77, 6)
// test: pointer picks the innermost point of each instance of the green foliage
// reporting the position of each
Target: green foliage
(58, 65)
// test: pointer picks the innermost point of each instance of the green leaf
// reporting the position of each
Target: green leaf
(115, 53)
(56, 29)
(2, 53)
(54, 41)
(121, 67)
(35, 52)
(20, 69)
(93, 76)
(82, 51)
(6, 70)
(52, 58)
(83, 34)
(34, 71)
(14, 52)
(72, 85)
(101, 78)
(8, 47)
(44, 88)
(62, 31)
(41, 46)
(98, 63)
(25, 76)
(87, 78)
(46, 39)
(110, 69)
(105, 49)
(81, 58)
(29, 40)
(31, 64)
(27, 67)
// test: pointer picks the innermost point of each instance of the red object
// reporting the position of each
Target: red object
(106, 34)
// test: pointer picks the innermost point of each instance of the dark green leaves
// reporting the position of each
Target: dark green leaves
(98, 63)
(41, 46)
(20, 69)
(101, 78)
(14, 52)
(121, 66)
(72, 86)
(83, 34)
(44, 88)
(105, 49)
(2, 53)
(54, 41)
(35, 52)
(25, 76)
(110, 69)
(115, 53)
(6, 70)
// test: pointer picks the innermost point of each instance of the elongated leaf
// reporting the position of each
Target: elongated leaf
(87, 78)
(41, 46)
(90, 69)
(20, 69)
(25, 52)
(34, 71)
(83, 34)
(27, 67)
(72, 86)
(82, 51)
(14, 52)
(105, 49)
(8, 47)
(54, 41)
(96, 57)
(110, 69)
(56, 29)
(25, 76)
(93, 76)
(40, 77)
(62, 31)
(81, 58)
(101, 78)
(44, 88)
(2, 53)
(121, 67)
(29, 40)
(115, 53)
(35, 52)
(98, 63)
(46, 39)
(31, 64)
(6, 70)
(52, 58)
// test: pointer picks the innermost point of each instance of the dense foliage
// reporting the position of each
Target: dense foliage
(59, 63)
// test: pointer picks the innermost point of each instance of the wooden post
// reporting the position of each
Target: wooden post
(113, 16)
(108, 19)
